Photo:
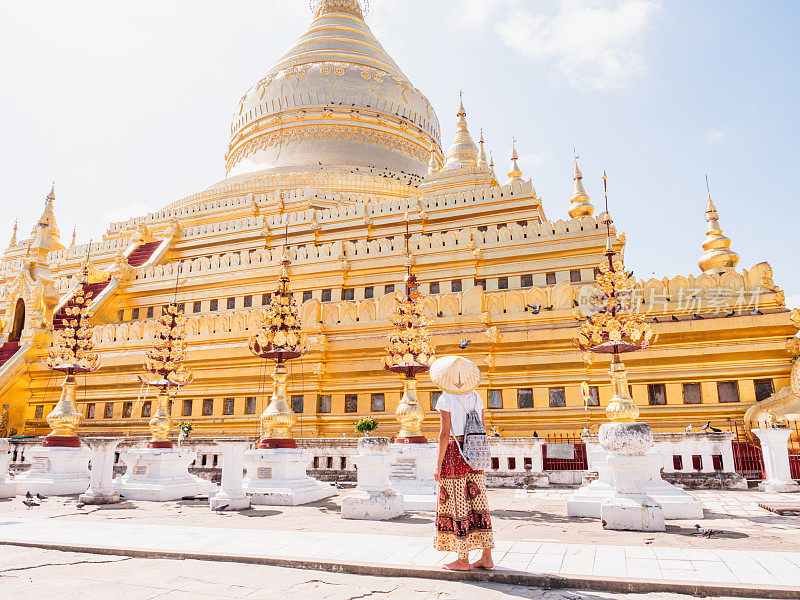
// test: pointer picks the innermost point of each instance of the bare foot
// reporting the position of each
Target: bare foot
(457, 565)
(484, 563)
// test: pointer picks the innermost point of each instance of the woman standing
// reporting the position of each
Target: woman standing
(462, 514)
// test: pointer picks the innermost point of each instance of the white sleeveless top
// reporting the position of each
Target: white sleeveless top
(458, 405)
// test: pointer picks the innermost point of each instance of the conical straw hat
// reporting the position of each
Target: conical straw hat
(455, 374)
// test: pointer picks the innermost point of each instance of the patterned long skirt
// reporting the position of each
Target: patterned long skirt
(462, 512)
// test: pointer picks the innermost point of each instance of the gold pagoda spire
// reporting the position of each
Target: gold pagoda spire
(74, 237)
(463, 152)
(718, 256)
(482, 162)
(516, 174)
(13, 242)
(433, 162)
(48, 218)
(579, 206)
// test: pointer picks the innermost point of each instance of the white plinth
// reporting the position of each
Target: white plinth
(159, 474)
(774, 446)
(412, 475)
(7, 486)
(373, 499)
(277, 477)
(675, 502)
(101, 490)
(630, 508)
(231, 495)
(55, 472)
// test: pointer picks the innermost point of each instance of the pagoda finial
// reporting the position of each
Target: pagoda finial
(74, 237)
(463, 152)
(516, 174)
(482, 162)
(48, 219)
(579, 206)
(13, 241)
(433, 163)
(718, 256)
(350, 7)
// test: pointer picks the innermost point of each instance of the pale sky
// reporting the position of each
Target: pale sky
(127, 106)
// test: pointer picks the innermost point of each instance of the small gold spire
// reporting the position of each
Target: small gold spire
(350, 7)
(579, 206)
(516, 174)
(48, 219)
(463, 152)
(433, 162)
(13, 241)
(718, 256)
(482, 163)
(74, 237)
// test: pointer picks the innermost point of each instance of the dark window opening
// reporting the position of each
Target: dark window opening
(127, 410)
(697, 462)
(495, 398)
(323, 403)
(187, 408)
(214, 305)
(388, 289)
(525, 398)
(557, 397)
(657, 394)
(228, 406)
(455, 286)
(307, 296)
(677, 462)
(575, 276)
(147, 408)
(231, 303)
(728, 391)
(248, 301)
(435, 398)
(348, 294)
(208, 407)
(108, 411)
(250, 405)
(90, 411)
(435, 287)
(594, 396)
(297, 405)
(692, 393)
(369, 292)
(526, 281)
(764, 389)
(502, 283)
(134, 314)
(482, 283)
(267, 298)
(378, 403)
(326, 295)
(149, 312)
(196, 307)
(351, 403)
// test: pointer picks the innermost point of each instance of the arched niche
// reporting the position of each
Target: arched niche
(18, 324)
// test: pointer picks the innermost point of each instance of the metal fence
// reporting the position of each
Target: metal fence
(748, 456)
(578, 462)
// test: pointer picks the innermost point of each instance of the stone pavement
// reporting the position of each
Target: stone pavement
(726, 570)
(37, 573)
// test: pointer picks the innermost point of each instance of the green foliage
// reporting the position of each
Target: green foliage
(365, 425)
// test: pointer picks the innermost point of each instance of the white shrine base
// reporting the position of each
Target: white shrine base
(7, 487)
(159, 474)
(277, 477)
(776, 461)
(373, 499)
(240, 501)
(412, 475)
(630, 508)
(675, 502)
(55, 472)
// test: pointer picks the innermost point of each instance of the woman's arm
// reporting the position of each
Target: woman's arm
(444, 440)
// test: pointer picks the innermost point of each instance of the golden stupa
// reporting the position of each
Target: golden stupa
(328, 151)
